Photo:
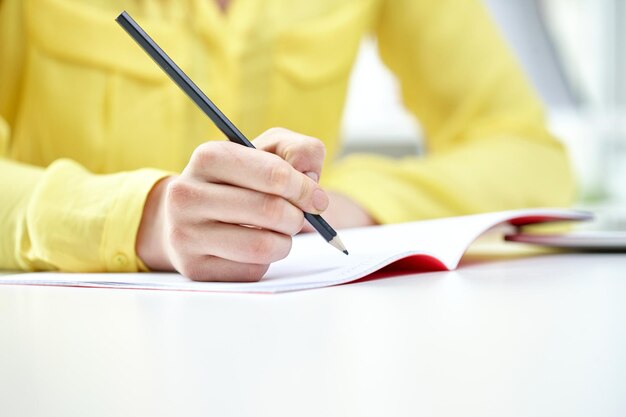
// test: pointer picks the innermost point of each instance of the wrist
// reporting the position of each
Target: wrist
(150, 243)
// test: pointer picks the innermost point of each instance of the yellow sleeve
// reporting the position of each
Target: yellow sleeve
(487, 145)
(61, 217)
(65, 218)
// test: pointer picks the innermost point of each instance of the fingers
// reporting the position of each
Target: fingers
(196, 203)
(210, 268)
(304, 153)
(230, 163)
(233, 210)
(236, 243)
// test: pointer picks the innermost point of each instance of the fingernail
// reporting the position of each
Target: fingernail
(320, 200)
(312, 175)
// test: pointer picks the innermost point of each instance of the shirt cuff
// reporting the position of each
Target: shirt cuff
(82, 222)
(118, 247)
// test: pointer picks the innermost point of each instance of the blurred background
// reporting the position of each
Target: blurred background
(573, 51)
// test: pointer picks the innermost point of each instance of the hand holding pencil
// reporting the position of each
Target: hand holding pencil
(216, 223)
(274, 176)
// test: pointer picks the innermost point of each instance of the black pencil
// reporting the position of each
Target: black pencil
(210, 109)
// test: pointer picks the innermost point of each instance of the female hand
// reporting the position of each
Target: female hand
(234, 209)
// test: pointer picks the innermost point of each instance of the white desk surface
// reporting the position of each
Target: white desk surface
(531, 336)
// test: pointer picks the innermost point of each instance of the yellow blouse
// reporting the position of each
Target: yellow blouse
(88, 123)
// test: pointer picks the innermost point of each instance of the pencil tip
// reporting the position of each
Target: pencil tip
(336, 242)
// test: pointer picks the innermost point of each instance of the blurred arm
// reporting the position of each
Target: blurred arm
(487, 145)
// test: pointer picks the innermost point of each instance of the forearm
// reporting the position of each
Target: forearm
(65, 218)
(16, 187)
(493, 174)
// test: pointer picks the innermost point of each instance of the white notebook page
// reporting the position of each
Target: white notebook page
(313, 263)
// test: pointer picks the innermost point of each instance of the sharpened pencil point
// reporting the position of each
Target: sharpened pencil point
(336, 242)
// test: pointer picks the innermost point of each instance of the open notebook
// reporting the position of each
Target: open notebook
(430, 245)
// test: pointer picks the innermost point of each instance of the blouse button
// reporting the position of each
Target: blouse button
(120, 260)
